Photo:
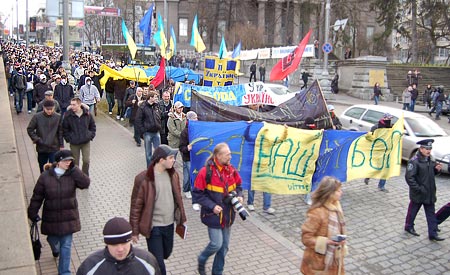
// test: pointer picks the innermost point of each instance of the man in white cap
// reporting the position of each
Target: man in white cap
(119, 256)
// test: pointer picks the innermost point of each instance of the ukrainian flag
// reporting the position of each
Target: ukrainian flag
(196, 38)
(172, 44)
(160, 37)
(129, 40)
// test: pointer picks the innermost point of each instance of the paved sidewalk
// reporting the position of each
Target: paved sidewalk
(265, 244)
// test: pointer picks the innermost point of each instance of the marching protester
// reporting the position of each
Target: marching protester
(148, 123)
(377, 94)
(40, 88)
(323, 232)
(384, 122)
(213, 182)
(45, 131)
(48, 96)
(133, 102)
(156, 203)
(89, 94)
(337, 125)
(185, 149)
(119, 256)
(56, 190)
(19, 85)
(420, 173)
(79, 130)
(165, 106)
(176, 123)
(63, 94)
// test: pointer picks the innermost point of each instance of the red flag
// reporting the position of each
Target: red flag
(289, 63)
(161, 74)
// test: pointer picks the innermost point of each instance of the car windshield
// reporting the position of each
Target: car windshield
(424, 127)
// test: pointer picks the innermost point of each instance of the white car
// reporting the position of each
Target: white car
(417, 127)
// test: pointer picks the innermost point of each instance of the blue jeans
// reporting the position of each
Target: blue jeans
(219, 238)
(160, 244)
(19, 100)
(62, 245)
(267, 198)
(377, 99)
(111, 101)
(412, 104)
(381, 183)
(29, 100)
(43, 158)
(186, 176)
(120, 107)
(406, 106)
(438, 108)
(150, 139)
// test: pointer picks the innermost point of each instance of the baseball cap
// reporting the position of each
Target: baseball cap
(163, 151)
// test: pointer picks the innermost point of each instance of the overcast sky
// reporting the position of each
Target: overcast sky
(9, 10)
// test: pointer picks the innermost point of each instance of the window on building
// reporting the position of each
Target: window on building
(443, 52)
(183, 26)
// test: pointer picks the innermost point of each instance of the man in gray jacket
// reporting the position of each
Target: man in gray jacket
(45, 131)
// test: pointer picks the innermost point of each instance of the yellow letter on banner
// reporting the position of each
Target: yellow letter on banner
(285, 158)
(376, 155)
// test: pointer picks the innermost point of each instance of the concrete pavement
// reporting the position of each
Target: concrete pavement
(265, 244)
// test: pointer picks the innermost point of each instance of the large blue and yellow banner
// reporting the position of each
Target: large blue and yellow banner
(219, 72)
(284, 160)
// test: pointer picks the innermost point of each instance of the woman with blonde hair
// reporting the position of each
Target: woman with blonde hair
(322, 229)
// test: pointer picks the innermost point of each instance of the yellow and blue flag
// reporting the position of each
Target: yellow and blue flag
(237, 51)
(172, 44)
(145, 25)
(129, 40)
(196, 38)
(223, 49)
(160, 37)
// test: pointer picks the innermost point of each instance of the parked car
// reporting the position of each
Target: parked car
(417, 127)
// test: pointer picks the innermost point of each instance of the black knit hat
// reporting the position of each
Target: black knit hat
(163, 151)
(63, 155)
(117, 230)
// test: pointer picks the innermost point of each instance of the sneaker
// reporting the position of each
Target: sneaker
(138, 144)
(196, 207)
(117, 117)
(110, 113)
(438, 118)
(188, 195)
(366, 180)
(29, 112)
(55, 254)
(251, 207)
(383, 190)
(269, 210)
(122, 119)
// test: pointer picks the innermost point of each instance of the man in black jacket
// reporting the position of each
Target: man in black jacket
(78, 130)
(63, 94)
(419, 175)
(119, 256)
(45, 131)
(253, 72)
(148, 123)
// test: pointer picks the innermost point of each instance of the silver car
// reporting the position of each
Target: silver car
(417, 127)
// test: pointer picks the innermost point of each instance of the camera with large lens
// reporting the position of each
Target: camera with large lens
(233, 200)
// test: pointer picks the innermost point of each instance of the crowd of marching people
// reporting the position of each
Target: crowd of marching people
(65, 101)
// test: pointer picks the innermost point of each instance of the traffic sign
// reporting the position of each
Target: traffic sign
(327, 48)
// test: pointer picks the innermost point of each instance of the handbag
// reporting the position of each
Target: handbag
(30, 86)
(35, 241)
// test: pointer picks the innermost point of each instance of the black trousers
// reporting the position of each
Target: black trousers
(413, 209)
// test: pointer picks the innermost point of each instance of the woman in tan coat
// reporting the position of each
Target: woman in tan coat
(325, 220)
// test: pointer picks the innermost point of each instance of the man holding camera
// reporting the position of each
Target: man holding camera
(213, 186)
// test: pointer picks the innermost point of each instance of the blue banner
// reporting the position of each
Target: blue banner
(230, 95)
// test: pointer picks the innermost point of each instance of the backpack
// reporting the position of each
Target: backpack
(20, 82)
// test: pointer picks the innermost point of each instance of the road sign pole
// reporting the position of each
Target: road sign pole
(327, 29)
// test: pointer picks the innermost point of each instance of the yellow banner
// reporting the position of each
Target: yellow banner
(284, 160)
(219, 72)
(376, 155)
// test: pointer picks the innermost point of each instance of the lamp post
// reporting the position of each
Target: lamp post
(327, 30)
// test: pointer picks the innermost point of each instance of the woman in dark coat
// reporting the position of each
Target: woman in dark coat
(56, 189)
